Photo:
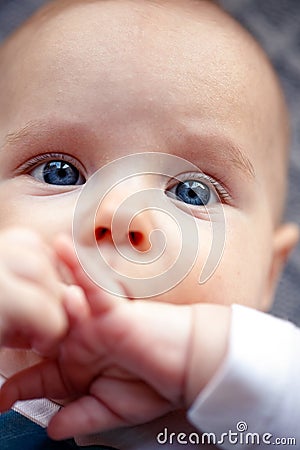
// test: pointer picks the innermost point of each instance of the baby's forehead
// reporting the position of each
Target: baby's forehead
(185, 8)
(175, 17)
(188, 39)
(160, 40)
(191, 44)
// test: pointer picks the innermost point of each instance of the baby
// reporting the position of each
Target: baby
(83, 84)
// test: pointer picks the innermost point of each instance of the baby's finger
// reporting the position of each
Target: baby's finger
(115, 403)
(99, 300)
(30, 312)
(24, 254)
(42, 380)
(63, 246)
(75, 304)
(83, 416)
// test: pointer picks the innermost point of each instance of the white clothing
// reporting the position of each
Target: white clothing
(258, 387)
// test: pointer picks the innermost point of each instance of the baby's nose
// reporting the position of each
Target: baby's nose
(123, 227)
(125, 218)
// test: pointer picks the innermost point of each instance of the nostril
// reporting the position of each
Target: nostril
(100, 233)
(135, 238)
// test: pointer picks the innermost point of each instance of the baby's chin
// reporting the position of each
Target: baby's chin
(12, 361)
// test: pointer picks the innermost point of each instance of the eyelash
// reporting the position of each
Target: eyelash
(46, 157)
(36, 160)
(217, 184)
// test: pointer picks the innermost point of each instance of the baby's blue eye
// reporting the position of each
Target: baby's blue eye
(60, 173)
(193, 192)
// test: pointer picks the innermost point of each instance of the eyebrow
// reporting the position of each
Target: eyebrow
(29, 130)
(240, 160)
(15, 136)
(218, 147)
(52, 133)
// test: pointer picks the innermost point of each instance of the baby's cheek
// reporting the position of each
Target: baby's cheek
(236, 275)
(9, 213)
(241, 275)
(188, 269)
(48, 215)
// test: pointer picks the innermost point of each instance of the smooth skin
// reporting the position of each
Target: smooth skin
(26, 322)
(151, 80)
(124, 362)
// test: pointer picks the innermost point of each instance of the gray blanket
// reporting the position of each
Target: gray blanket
(276, 24)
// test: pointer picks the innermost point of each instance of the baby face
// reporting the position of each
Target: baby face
(83, 86)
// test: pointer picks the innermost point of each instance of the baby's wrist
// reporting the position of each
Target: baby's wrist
(208, 347)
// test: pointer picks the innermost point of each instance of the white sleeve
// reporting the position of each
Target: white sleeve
(257, 390)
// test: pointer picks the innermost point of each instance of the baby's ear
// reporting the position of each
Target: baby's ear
(285, 239)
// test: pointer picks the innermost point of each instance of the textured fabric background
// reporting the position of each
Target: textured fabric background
(276, 25)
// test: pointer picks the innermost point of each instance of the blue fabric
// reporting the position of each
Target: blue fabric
(17, 432)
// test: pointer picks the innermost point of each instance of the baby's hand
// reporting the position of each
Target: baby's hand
(127, 362)
(31, 313)
(123, 364)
